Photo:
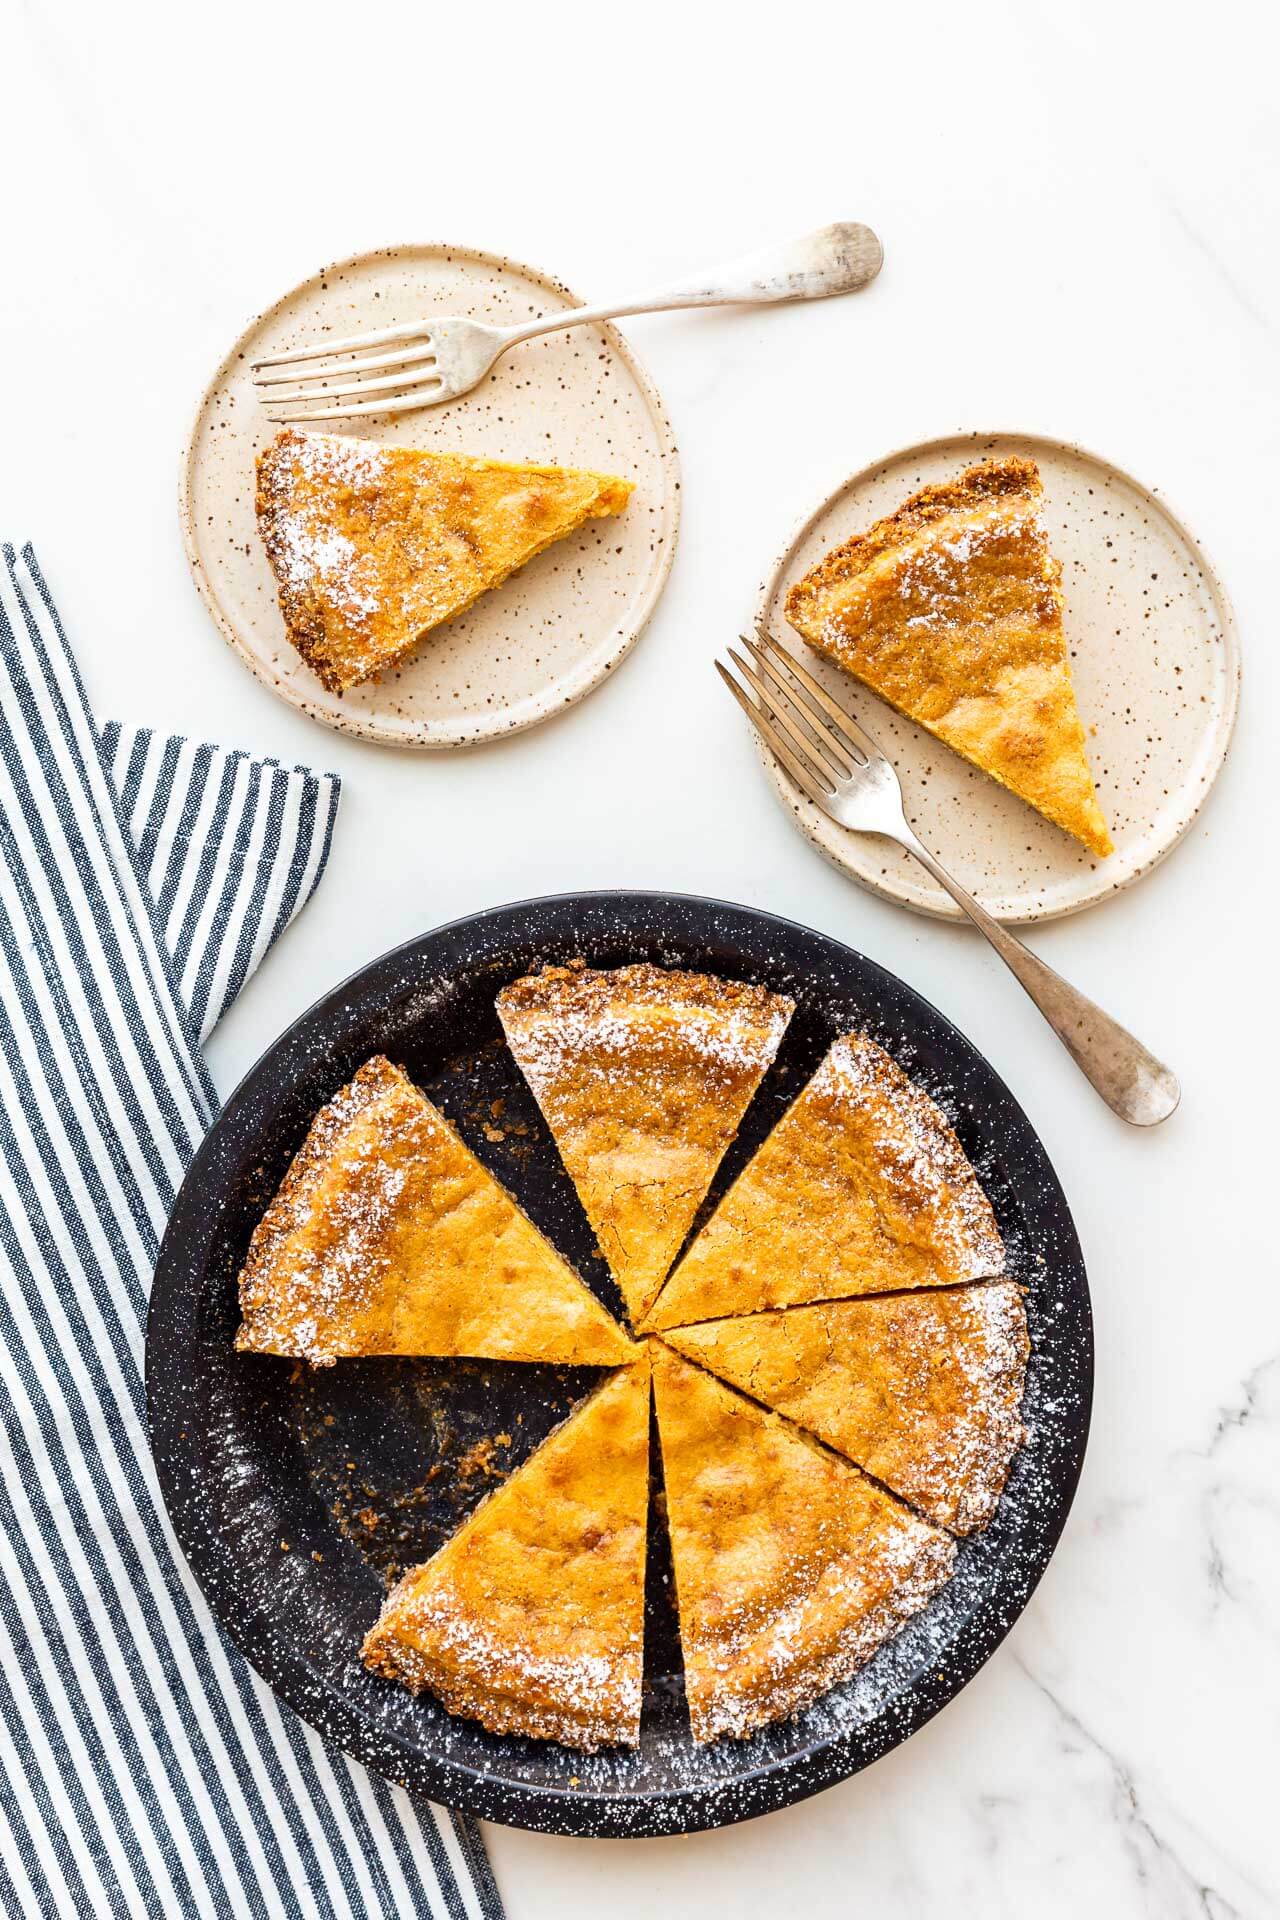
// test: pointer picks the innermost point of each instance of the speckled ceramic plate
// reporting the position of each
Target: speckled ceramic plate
(297, 1493)
(555, 629)
(1156, 666)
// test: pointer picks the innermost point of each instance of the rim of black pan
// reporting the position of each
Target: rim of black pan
(416, 988)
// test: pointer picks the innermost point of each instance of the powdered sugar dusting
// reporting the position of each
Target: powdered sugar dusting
(351, 1267)
(971, 1457)
(932, 577)
(792, 1656)
(301, 1291)
(330, 458)
(297, 482)
(602, 1045)
(918, 1153)
(310, 558)
(583, 1700)
(604, 1026)
(386, 1229)
(932, 544)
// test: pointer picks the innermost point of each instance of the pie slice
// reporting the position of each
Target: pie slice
(388, 1236)
(951, 610)
(922, 1389)
(643, 1076)
(373, 546)
(862, 1187)
(792, 1568)
(531, 1618)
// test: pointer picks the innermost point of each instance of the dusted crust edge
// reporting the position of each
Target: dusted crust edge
(917, 1111)
(801, 1687)
(572, 1723)
(299, 609)
(1006, 1431)
(988, 480)
(373, 1082)
(596, 989)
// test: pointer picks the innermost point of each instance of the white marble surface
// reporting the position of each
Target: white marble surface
(1080, 208)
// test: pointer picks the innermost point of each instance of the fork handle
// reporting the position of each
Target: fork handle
(1134, 1084)
(837, 259)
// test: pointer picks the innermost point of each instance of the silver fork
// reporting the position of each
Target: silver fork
(438, 359)
(836, 763)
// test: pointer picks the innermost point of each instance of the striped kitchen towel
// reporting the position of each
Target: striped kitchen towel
(144, 1768)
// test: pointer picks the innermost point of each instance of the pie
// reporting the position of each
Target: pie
(372, 546)
(951, 610)
(862, 1187)
(922, 1389)
(388, 1236)
(791, 1566)
(531, 1618)
(837, 1379)
(643, 1076)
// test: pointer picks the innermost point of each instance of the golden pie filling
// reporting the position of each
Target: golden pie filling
(388, 1236)
(792, 1568)
(862, 1187)
(923, 1390)
(837, 1384)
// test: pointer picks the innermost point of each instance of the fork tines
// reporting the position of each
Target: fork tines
(304, 384)
(808, 732)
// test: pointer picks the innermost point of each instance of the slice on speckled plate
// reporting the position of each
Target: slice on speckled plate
(951, 610)
(373, 546)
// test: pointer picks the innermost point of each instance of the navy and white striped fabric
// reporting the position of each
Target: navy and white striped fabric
(229, 849)
(144, 1768)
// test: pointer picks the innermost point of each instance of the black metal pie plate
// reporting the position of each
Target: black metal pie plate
(296, 1494)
